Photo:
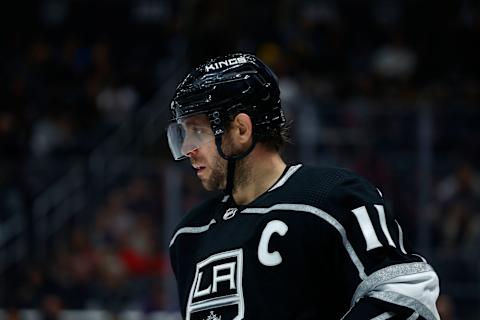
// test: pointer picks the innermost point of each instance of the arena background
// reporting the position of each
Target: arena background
(89, 194)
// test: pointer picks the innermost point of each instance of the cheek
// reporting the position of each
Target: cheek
(228, 145)
(210, 153)
(215, 161)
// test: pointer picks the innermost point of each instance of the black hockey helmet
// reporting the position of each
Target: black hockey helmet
(221, 88)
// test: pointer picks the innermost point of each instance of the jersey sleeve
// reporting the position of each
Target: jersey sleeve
(389, 278)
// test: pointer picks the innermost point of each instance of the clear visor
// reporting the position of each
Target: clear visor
(185, 136)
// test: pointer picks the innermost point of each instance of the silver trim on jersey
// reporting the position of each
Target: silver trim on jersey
(323, 215)
(287, 176)
(191, 230)
(214, 303)
(417, 255)
(384, 316)
(400, 238)
(385, 274)
(402, 300)
(346, 314)
(414, 273)
(414, 316)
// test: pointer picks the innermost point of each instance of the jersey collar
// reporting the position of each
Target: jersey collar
(285, 176)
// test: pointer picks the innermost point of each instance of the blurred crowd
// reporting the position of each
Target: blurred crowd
(115, 261)
(369, 85)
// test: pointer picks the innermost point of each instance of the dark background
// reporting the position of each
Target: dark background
(89, 194)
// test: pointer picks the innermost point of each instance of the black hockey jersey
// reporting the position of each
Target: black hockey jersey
(319, 244)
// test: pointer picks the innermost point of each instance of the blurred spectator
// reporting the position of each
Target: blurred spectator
(12, 314)
(52, 307)
(82, 266)
(139, 252)
(140, 197)
(82, 256)
(112, 291)
(117, 101)
(394, 60)
(157, 297)
(374, 168)
(32, 283)
(465, 182)
(459, 199)
(52, 133)
(114, 221)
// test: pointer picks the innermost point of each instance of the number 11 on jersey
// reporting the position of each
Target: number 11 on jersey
(368, 230)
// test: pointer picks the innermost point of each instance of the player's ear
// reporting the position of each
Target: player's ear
(243, 128)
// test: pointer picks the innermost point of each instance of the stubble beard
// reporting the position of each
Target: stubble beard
(218, 176)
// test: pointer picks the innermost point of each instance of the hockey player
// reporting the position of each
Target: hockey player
(281, 242)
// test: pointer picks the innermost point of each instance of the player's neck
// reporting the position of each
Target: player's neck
(263, 169)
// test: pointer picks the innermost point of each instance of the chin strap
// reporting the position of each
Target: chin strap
(232, 162)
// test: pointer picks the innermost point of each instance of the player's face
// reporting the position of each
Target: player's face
(210, 167)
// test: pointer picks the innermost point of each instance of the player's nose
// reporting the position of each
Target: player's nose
(188, 147)
(191, 153)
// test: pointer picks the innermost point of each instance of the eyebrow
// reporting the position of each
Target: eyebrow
(189, 122)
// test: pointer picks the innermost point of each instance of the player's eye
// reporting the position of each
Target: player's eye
(199, 132)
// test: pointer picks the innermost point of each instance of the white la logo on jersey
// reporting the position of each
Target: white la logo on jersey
(225, 63)
(217, 284)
